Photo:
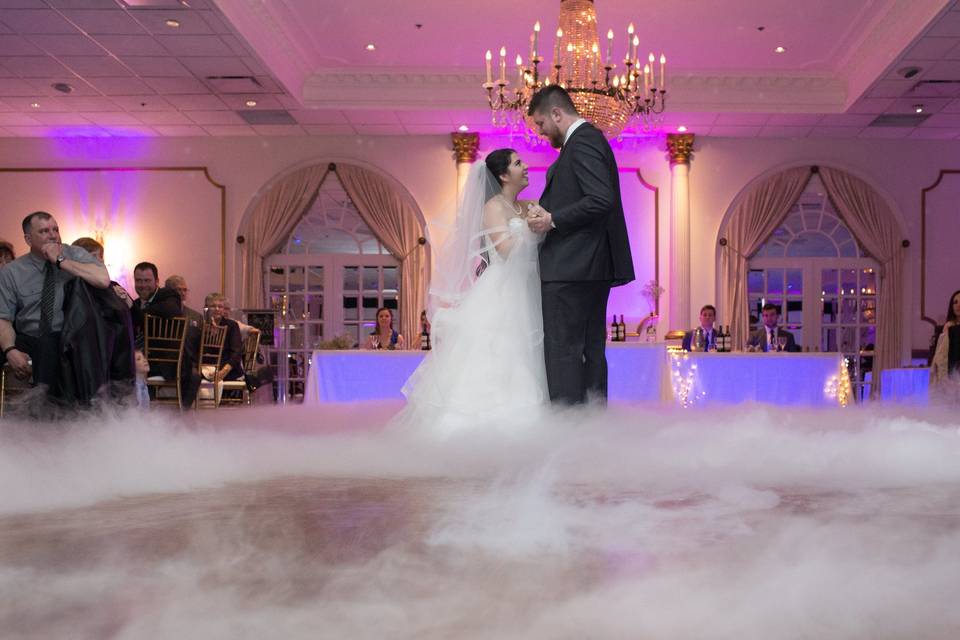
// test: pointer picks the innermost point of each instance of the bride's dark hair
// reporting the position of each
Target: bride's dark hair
(498, 162)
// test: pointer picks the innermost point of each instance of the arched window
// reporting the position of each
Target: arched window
(331, 276)
(813, 268)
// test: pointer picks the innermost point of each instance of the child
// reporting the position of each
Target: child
(142, 369)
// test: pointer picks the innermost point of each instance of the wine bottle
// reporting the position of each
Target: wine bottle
(424, 331)
(622, 330)
(614, 330)
(726, 339)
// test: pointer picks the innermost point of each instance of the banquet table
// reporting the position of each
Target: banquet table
(637, 372)
(793, 379)
(910, 385)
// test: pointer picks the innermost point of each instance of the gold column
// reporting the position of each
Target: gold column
(465, 147)
(680, 148)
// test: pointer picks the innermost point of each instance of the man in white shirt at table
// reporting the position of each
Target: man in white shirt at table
(766, 337)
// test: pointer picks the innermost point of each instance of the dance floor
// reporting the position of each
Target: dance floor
(629, 523)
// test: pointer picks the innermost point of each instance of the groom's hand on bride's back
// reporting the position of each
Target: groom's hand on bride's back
(539, 219)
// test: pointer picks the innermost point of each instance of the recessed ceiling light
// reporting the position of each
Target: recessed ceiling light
(62, 87)
(251, 103)
(371, 47)
(172, 23)
(681, 128)
(463, 127)
(35, 105)
(779, 49)
(918, 108)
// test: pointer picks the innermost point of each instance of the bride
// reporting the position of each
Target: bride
(486, 367)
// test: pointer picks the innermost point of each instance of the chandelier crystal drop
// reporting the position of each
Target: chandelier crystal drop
(609, 94)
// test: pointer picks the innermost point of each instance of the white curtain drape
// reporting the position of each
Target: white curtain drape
(270, 224)
(394, 221)
(873, 224)
(756, 216)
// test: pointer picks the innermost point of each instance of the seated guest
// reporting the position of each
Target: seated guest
(384, 336)
(95, 249)
(946, 358)
(231, 360)
(162, 302)
(179, 284)
(708, 315)
(766, 337)
(6, 253)
(165, 303)
(32, 295)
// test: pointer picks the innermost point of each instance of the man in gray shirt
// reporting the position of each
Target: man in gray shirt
(21, 289)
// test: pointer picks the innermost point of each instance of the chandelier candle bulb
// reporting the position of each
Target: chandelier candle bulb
(489, 57)
(556, 53)
(663, 71)
(503, 65)
(653, 74)
(519, 72)
(646, 78)
(609, 47)
(636, 43)
(627, 57)
(536, 38)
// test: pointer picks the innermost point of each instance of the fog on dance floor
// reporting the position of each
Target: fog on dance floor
(749, 522)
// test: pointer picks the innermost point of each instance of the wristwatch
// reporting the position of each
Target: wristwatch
(60, 260)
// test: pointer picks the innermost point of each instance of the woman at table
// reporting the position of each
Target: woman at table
(946, 358)
(384, 336)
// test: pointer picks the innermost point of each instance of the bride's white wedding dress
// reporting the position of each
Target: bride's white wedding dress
(486, 369)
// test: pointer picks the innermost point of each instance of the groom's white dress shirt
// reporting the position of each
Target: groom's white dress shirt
(573, 127)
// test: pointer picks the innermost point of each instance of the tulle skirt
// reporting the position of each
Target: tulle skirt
(486, 370)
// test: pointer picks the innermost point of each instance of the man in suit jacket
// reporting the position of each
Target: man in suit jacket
(585, 251)
(765, 338)
(708, 315)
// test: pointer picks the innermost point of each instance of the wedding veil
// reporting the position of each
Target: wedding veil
(464, 253)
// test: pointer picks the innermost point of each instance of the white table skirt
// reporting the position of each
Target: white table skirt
(637, 373)
(908, 385)
(806, 379)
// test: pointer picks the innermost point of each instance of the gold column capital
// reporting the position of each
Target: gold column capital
(680, 146)
(465, 146)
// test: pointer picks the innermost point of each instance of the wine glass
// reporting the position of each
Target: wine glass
(375, 340)
(781, 343)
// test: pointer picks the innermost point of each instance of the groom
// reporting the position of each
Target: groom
(585, 251)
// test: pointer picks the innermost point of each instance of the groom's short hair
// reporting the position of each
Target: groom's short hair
(551, 96)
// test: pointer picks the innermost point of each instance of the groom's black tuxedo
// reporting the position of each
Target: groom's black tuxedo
(583, 196)
(580, 259)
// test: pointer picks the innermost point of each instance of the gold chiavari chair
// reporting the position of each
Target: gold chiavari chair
(163, 340)
(250, 345)
(212, 338)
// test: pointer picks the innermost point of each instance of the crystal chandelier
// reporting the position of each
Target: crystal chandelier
(605, 94)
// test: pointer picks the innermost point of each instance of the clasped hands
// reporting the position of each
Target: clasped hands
(539, 219)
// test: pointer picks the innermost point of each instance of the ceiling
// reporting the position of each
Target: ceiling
(192, 67)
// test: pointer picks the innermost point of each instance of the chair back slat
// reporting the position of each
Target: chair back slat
(250, 346)
(211, 344)
(163, 338)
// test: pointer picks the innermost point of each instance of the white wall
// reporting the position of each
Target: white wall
(720, 169)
